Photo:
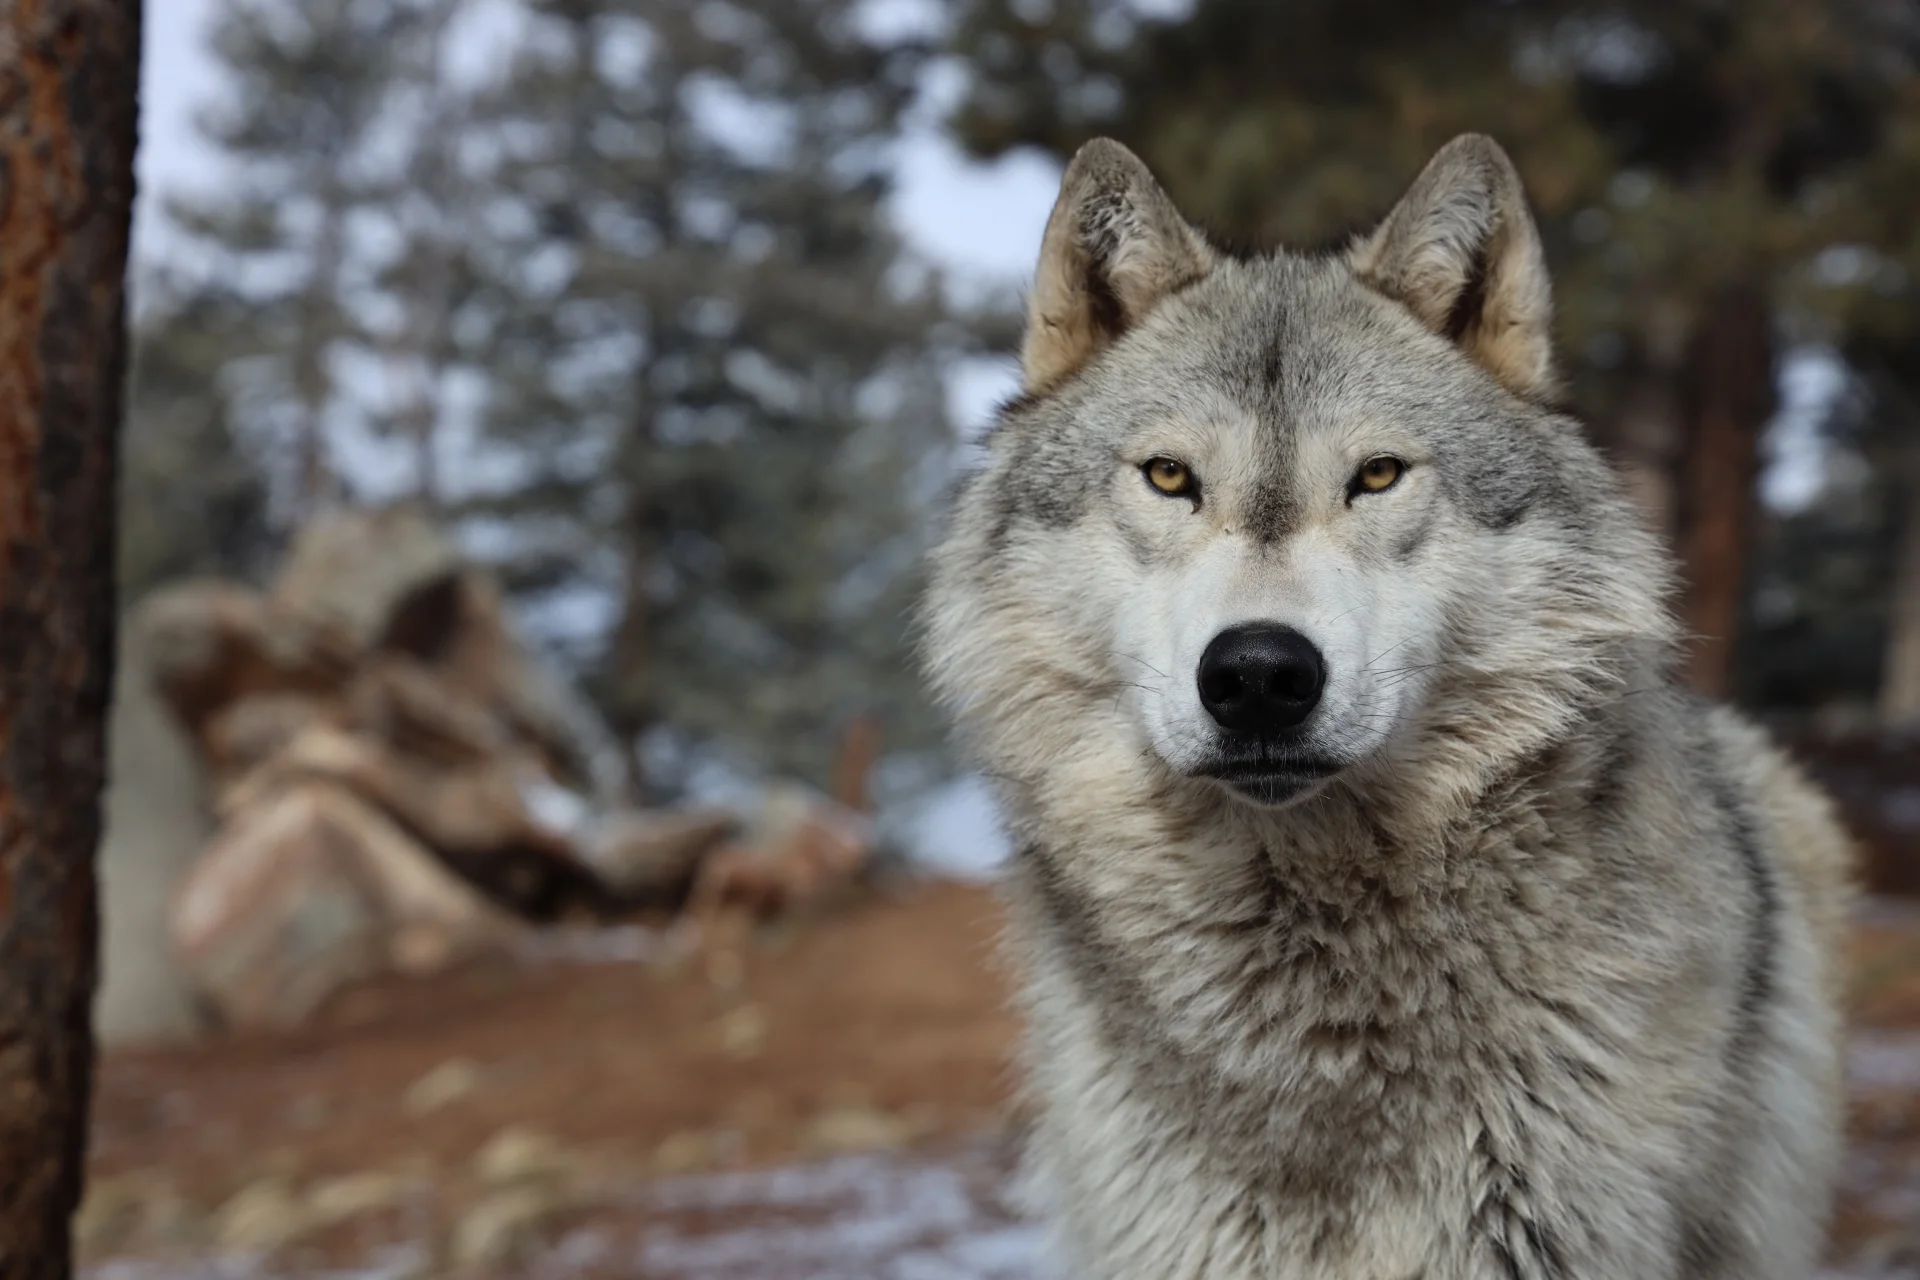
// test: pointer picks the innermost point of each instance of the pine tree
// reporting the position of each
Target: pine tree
(425, 199)
(192, 501)
(301, 130)
(716, 373)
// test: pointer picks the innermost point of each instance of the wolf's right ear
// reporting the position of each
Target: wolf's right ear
(1461, 251)
(1114, 247)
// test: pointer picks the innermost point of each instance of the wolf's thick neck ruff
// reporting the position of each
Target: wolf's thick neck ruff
(1321, 1022)
(1306, 906)
(1384, 909)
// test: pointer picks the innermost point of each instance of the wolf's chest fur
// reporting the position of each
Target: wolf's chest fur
(1378, 1058)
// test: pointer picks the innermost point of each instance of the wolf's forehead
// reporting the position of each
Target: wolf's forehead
(1297, 345)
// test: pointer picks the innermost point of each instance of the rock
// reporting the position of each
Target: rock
(447, 1083)
(651, 858)
(340, 1199)
(260, 1218)
(247, 733)
(170, 1221)
(474, 815)
(683, 1152)
(743, 1031)
(799, 847)
(489, 659)
(392, 581)
(856, 1128)
(519, 1154)
(408, 704)
(156, 823)
(211, 643)
(359, 569)
(385, 761)
(135, 1212)
(503, 1227)
(308, 889)
(109, 1215)
(789, 810)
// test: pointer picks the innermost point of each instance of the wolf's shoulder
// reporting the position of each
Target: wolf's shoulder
(1796, 822)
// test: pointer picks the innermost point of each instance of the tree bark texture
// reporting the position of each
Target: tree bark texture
(1732, 385)
(68, 76)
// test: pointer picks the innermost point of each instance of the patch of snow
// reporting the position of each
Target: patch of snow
(1884, 1060)
(880, 1216)
(956, 830)
(1008, 1251)
(397, 1264)
(1900, 809)
(622, 944)
(561, 810)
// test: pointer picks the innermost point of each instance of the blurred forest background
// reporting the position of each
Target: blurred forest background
(650, 309)
(629, 312)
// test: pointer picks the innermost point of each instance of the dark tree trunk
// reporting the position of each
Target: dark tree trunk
(68, 70)
(1647, 442)
(1900, 675)
(852, 774)
(1732, 396)
(627, 710)
(317, 482)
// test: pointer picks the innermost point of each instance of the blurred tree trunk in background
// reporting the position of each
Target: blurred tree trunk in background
(427, 196)
(1731, 373)
(1647, 433)
(1647, 439)
(853, 773)
(317, 480)
(1900, 676)
(68, 71)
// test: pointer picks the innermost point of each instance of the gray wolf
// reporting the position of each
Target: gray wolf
(1384, 906)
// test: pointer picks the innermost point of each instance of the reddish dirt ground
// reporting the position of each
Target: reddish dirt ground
(883, 1026)
(517, 1118)
(890, 1005)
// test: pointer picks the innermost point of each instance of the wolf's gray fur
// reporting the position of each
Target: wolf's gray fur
(1512, 960)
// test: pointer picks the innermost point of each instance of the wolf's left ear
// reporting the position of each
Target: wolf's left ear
(1114, 247)
(1461, 251)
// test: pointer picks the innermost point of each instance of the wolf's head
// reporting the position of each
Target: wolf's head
(1264, 522)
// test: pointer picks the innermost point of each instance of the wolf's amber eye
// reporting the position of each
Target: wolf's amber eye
(1169, 477)
(1378, 474)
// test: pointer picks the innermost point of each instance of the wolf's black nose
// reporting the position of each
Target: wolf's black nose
(1260, 678)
